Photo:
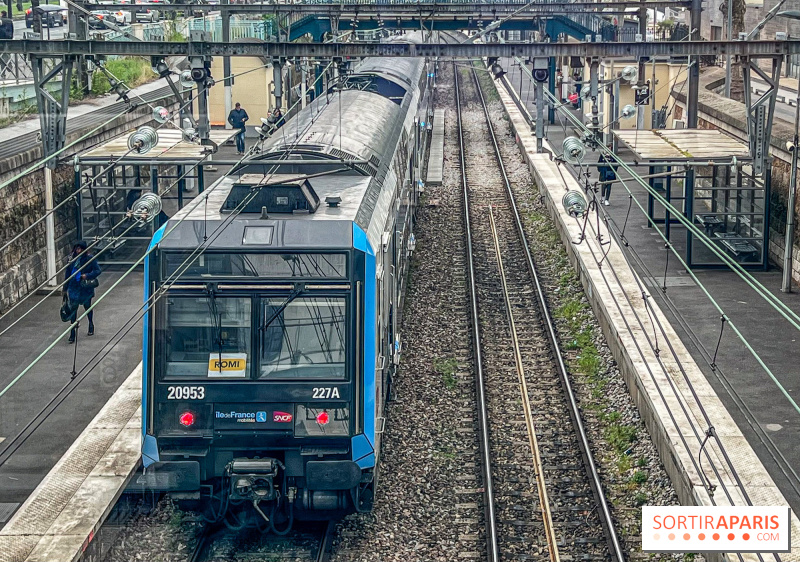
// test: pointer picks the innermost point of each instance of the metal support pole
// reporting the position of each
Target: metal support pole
(640, 83)
(50, 227)
(303, 82)
(786, 285)
(615, 116)
(551, 110)
(694, 67)
(539, 95)
(277, 80)
(594, 67)
(226, 64)
(728, 56)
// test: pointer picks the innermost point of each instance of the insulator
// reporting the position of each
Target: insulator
(574, 150)
(574, 203)
(186, 80)
(627, 112)
(630, 73)
(146, 208)
(143, 139)
(586, 93)
(160, 114)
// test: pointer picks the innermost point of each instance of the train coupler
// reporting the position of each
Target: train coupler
(253, 479)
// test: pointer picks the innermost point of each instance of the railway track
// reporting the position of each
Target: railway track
(544, 500)
(308, 543)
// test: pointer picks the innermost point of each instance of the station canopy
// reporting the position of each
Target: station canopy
(171, 146)
(683, 144)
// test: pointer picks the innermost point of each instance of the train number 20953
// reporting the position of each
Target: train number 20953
(186, 393)
(325, 392)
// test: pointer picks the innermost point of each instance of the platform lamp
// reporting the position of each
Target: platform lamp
(786, 284)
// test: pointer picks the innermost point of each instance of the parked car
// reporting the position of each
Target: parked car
(52, 15)
(147, 15)
(98, 19)
(122, 17)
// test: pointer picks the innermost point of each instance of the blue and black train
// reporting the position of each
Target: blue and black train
(268, 354)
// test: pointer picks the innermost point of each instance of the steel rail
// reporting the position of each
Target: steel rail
(594, 478)
(533, 440)
(492, 543)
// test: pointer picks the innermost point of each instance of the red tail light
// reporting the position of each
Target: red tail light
(186, 419)
(322, 418)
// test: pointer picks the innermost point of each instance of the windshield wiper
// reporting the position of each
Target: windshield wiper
(299, 288)
(216, 319)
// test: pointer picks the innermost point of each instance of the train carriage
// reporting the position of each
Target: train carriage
(268, 357)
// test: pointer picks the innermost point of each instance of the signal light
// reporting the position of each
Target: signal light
(186, 419)
(323, 418)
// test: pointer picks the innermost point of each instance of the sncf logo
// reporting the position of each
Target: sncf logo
(281, 417)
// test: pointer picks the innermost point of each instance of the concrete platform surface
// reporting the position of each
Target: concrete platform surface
(64, 512)
(674, 396)
(436, 153)
(24, 342)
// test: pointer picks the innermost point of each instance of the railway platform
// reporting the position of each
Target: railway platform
(667, 355)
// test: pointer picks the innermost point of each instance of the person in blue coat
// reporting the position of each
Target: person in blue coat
(81, 268)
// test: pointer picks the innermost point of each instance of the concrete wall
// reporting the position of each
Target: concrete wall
(252, 90)
(719, 112)
(23, 264)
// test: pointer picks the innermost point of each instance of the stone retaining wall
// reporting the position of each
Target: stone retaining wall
(23, 265)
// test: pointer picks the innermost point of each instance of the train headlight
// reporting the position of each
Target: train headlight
(314, 420)
(187, 419)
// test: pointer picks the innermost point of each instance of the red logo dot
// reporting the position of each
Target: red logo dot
(671, 536)
(686, 536)
(746, 536)
(701, 536)
(715, 536)
(731, 536)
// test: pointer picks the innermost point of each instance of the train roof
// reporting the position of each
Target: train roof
(327, 227)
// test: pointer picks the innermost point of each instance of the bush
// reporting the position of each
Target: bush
(132, 71)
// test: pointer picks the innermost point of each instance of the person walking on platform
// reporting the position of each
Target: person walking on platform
(80, 282)
(237, 118)
(607, 167)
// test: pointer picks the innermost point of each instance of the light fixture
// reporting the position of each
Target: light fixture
(160, 114)
(574, 203)
(186, 79)
(143, 139)
(497, 71)
(146, 208)
(630, 73)
(627, 112)
(574, 150)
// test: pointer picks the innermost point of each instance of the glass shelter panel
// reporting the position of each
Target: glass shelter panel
(729, 207)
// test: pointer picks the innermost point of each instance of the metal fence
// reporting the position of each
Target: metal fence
(239, 28)
(14, 68)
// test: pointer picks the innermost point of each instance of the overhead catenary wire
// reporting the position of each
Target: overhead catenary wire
(784, 310)
(138, 262)
(624, 243)
(88, 182)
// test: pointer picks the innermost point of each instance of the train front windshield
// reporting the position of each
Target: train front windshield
(248, 333)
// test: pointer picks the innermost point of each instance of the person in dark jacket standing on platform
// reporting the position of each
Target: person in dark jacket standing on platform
(237, 118)
(79, 284)
(607, 167)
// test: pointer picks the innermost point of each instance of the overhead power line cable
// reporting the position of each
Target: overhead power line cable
(138, 262)
(88, 182)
